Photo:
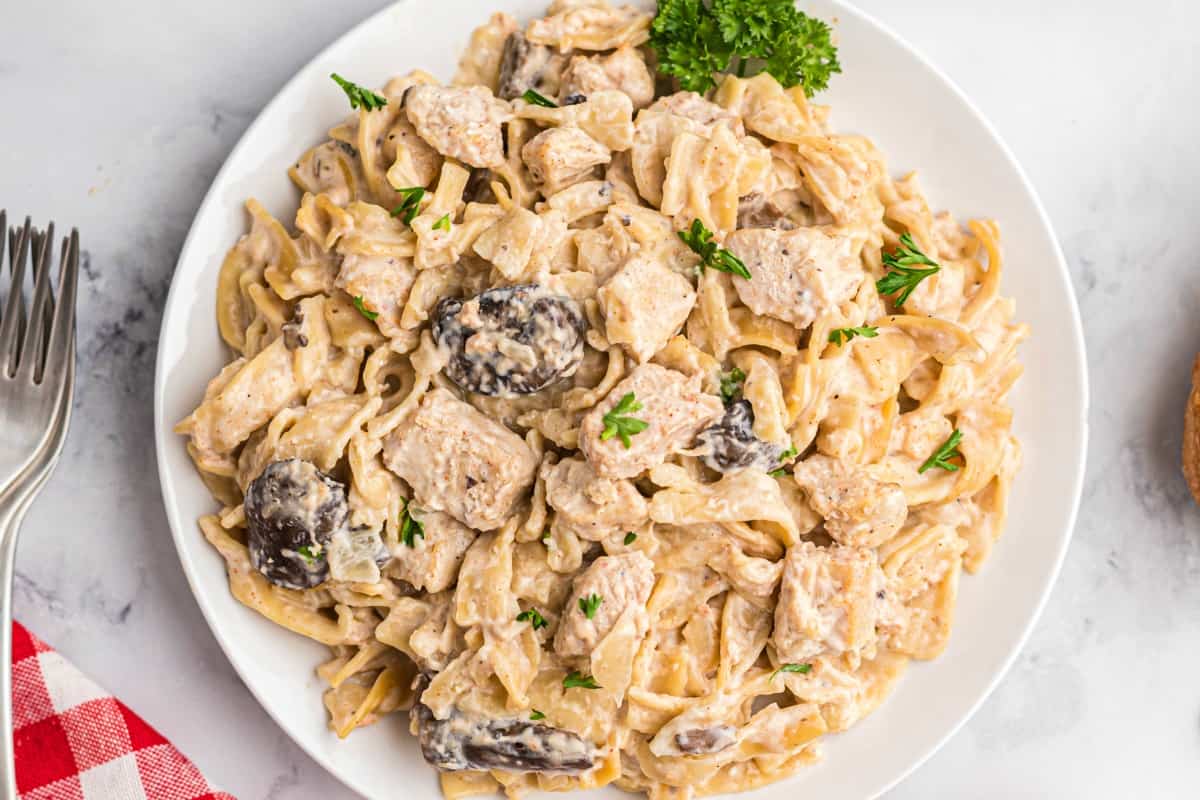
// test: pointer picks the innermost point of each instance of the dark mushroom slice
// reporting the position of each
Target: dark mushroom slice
(510, 341)
(292, 511)
(704, 741)
(731, 444)
(525, 65)
(466, 741)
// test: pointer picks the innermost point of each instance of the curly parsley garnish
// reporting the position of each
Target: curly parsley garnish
(731, 384)
(443, 223)
(576, 680)
(846, 334)
(588, 605)
(362, 309)
(410, 203)
(630, 538)
(696, 39)
(941, 457)
(360, 97)
(618, 423)
(699, 238)
(536, 715)
(803, 669)
(903, 277)
(533, 618)
(410, 528)
(535, 99)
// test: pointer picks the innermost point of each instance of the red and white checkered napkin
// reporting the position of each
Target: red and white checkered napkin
(75, 741)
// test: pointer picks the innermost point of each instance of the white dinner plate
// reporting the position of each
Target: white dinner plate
(921, 121)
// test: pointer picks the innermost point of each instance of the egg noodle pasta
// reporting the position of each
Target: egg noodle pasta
(606, 433)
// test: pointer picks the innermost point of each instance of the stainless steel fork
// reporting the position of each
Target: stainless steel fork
(37, 380)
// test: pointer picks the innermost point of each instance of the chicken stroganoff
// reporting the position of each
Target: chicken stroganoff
(606, 431)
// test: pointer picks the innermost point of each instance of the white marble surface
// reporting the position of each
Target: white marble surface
(117, 115)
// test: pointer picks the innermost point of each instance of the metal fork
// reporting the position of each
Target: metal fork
(37, 381)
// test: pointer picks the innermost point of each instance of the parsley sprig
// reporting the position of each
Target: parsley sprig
(617, 421)
(589, 605)
(533, 618)
(362, 309)
(360, 97)
(941, 457)
(535, 99)
(410, 528)
(802, 669)
(903, 276)
(695, 39)
(840, 335)
(712, 256)
(410, 203)
(731, 384)
(577, 680)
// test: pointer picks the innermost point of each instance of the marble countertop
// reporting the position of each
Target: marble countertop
(118, 115)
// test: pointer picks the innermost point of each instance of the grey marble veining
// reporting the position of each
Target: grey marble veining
(129, 108)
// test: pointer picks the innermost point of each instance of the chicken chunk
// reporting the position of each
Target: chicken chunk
(559, 157)
(645, 303)
(674, 409)
(620, 582)
(795, 275)
(461, 462)
(859, 510)
(594, 508)
(624, 69)
(525, 65)
(690, 105)
(381, 283)
(827, 602)
(431, 562)
(460, 123)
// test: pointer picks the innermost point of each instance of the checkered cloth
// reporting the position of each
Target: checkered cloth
(74, 741)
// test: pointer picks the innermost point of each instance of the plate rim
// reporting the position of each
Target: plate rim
(163, 435)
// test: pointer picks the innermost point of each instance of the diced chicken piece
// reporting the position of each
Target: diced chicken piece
(432, 561)
(460, 123)
(624, 69)
(526, 66)
(694, 107)
(858, 509)
(674, 408)
(827, 601)
(592, 507)
(559, 157)
(645, 303)
(795, 275)
(381, 283)
(461, 462)
(621, 582)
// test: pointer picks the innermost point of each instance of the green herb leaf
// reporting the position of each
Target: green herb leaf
(941, 457)
(846, 334)
(618, 423)
(360, 97)
(630, 538)
(533, 618)
(903, 277)
(699, 238)
(588, 605)
(695, 40)
(778, 473)
(410, 203)
(803, 669)
(410, 528)
(536, 715)
(789, 454)
(533, 98)
(576, 680)
(731, 384)
(443, 223)
(309, 554)
(362, 309)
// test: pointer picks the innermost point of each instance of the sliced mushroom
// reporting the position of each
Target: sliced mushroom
(471, 742)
